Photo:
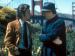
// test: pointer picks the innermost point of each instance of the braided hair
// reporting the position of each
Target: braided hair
(21, 10)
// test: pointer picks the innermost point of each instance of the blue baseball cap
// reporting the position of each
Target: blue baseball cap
(49, 6)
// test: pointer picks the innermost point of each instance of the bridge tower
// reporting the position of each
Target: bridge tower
(36, 2)
(73, 10)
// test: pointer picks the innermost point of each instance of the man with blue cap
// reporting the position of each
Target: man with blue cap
(53, 34)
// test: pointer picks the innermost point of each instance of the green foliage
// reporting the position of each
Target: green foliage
(7, 14)
(70, 40)
(36, 42)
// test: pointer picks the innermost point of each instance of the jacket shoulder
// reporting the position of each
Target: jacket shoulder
(12, 23)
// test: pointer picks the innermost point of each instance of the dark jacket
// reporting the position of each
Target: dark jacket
(52, 29)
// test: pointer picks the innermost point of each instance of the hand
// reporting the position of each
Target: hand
(57, 41)
(43, 37)
(9, 54)
(16, 51)
(28, 22)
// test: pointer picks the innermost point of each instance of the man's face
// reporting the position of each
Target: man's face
(27, 15)
(48, 14)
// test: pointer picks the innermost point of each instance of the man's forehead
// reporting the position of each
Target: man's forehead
(21, 7)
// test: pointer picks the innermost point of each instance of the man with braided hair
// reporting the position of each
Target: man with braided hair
(18, 33)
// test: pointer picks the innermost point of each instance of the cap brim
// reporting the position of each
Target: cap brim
(45, 10)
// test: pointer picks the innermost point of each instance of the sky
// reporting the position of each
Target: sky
(63, 6)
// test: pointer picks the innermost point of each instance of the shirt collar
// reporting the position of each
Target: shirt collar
(21, 21)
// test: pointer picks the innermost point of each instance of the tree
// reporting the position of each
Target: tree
(7, 14)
